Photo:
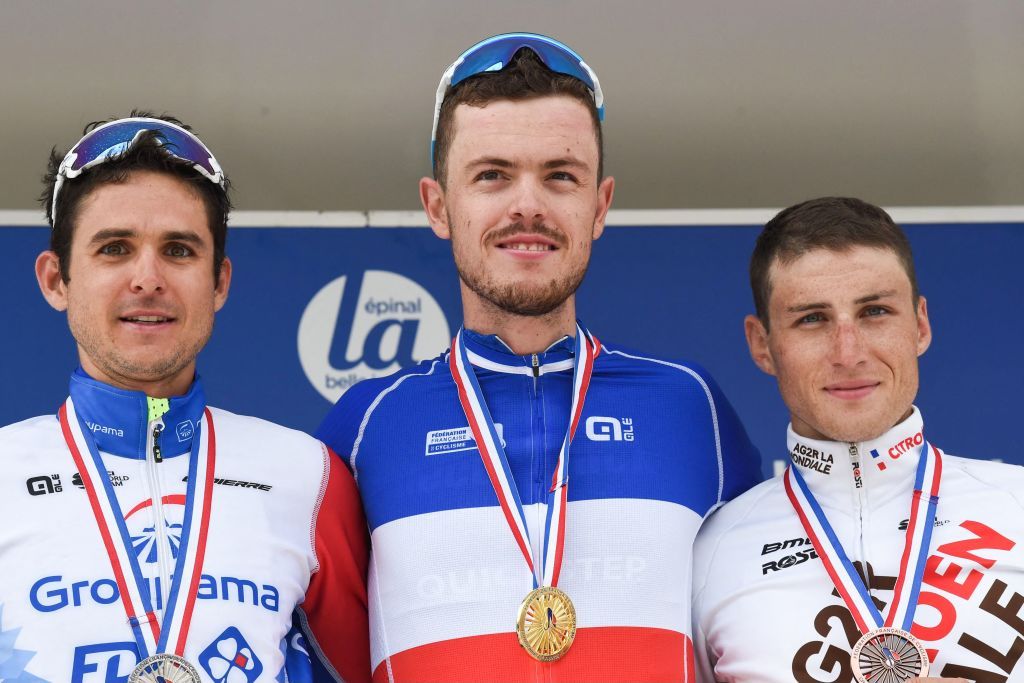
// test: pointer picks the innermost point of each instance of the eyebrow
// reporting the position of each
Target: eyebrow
(122, 233)
(821, 305)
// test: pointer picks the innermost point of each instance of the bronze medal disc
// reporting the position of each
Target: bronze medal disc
(888, 655)
(546, 624)
(164, 668)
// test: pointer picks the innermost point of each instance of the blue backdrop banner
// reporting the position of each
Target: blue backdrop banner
(313, 310)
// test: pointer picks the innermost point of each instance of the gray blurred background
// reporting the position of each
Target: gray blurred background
(323, 105)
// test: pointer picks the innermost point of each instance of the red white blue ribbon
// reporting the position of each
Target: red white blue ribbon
(915, 551)
(546, 571)
(153, 635)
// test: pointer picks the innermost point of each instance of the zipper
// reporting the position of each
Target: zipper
(861, 507)
(153, 458)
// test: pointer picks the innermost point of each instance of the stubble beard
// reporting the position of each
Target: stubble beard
(522, 298)
(132, 369)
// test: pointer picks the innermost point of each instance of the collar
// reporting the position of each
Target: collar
(491, 353)
(881, 465)
(118, 419)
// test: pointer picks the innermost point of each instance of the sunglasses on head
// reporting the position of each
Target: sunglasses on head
(111, 140)
(494, 54)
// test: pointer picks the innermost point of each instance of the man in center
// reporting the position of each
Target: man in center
(532, 493)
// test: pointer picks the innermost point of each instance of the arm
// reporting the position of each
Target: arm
(334, 613)
(741, 461)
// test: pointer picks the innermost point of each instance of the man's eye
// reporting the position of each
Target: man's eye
(812, 318)
(873, 311)
(113, 249)
(563, 175)
(488, 175)
(179, 251)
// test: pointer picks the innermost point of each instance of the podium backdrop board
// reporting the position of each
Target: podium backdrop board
(313, 309)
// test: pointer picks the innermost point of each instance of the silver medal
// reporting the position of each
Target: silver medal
(164, 668)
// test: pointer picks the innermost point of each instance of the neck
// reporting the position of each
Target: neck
(163, 387)
(524, 334)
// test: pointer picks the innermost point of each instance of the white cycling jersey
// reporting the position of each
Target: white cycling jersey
(766, 610)
(285, 537)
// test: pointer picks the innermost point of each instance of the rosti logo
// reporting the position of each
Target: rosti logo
(357, 328)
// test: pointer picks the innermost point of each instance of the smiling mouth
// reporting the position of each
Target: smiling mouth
(147, 319)
(527, 246)
(852, 391)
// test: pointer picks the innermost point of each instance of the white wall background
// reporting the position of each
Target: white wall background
(321, 105)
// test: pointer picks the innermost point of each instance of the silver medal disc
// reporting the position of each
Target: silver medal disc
(888, 655)
(164, 668)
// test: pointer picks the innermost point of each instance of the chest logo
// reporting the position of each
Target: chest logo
(610, 428)
(454, 440)
(230, 659)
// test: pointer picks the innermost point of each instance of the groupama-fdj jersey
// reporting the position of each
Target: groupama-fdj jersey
(285, 544)
(765, 608)
(657, 448)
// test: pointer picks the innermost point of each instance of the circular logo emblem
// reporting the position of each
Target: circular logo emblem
(358, 327)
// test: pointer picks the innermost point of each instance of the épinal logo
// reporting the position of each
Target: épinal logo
(356, 328)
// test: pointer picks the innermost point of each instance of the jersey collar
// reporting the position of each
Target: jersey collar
(118, 418)
(881, 466)
(490, 352)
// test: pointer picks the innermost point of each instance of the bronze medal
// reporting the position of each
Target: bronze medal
(888, 655)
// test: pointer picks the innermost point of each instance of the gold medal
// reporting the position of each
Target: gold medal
(546, 624)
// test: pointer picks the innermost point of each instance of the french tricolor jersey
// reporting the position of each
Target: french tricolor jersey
(282, 584)
(657, 448)
(766, 609)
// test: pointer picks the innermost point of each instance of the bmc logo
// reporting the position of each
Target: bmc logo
(366, 326)
(610, 428)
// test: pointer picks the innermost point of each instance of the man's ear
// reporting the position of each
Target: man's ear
(220, 291)
(924, 327)
(605, 191)
(757, 342)
(51, 284)
(432, 198)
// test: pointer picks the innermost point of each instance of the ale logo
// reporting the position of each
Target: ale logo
(358, 327)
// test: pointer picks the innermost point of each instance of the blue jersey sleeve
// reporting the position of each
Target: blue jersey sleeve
(741, 461)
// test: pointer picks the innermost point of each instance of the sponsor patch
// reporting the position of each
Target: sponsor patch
(455, 440)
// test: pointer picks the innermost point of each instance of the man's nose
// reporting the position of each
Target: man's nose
(528, 203)
(147, 274)
(848, 344)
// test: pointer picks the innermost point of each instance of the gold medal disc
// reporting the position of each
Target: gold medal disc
(546, 624)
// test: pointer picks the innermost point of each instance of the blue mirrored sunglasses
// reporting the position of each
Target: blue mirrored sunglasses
(113, 139)
(494, 53)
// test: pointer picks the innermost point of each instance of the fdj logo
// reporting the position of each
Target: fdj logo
(610, 429)
(356, 328)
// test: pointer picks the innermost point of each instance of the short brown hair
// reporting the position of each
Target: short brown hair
(832, 223)
(525, 77)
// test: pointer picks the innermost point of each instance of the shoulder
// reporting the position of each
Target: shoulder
(737, 525)
(747, 509)
(254, 430)
(369, 395)
(682, 377)
(986, 474)
(30, 430)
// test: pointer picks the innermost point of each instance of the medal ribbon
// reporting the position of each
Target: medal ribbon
(496, 461)
(152, 635)
(915, 550)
